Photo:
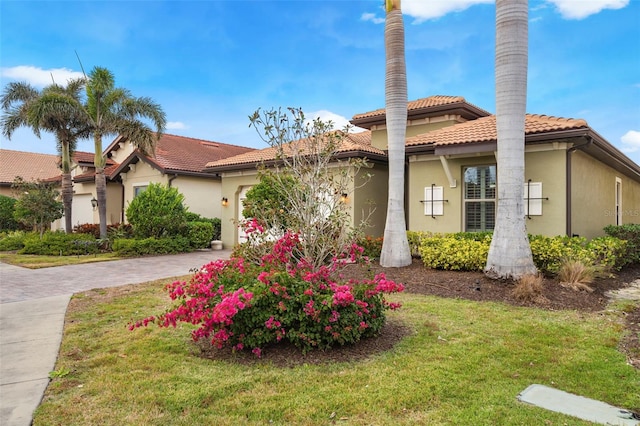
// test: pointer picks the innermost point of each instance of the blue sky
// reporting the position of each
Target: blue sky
(210, 64)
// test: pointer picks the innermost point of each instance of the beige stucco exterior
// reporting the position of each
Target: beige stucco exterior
(590, 213)
(414, 127)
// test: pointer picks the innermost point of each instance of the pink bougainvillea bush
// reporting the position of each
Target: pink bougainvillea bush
(248, 306)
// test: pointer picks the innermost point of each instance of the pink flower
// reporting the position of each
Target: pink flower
(257, 352)
(272, 323)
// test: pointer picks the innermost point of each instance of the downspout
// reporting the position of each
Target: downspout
(171, 179)
(568, 171)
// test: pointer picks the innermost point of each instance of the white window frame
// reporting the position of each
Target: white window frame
(618, 201)
(139, 188)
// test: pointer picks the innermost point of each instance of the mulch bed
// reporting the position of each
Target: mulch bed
(452, 284)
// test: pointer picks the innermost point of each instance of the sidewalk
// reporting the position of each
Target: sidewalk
(32, 310)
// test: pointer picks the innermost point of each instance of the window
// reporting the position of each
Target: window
(137, 190)
(479, 198)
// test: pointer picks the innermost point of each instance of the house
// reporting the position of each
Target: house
(240, 173)
(576, 181)
(30, 166)
(178, 162)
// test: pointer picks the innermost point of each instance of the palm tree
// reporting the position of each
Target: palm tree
(510, 252)
(54, 110)
(114, 111)
(395, 246)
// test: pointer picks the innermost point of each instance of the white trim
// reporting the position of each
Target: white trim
(618, 201)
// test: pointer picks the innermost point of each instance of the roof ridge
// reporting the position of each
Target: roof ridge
(206, 140)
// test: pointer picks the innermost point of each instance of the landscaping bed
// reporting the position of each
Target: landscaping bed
(457, 285)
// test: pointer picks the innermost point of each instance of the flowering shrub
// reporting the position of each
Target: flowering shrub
(247, 306)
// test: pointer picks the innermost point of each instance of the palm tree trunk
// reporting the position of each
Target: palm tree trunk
(67, 186)
(101, 184)
(395, 246)
(67, 201)
(510, 252)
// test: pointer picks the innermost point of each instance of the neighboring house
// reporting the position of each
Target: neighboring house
(178, 162)
(30, 166)
(240, 173)
(577, 182)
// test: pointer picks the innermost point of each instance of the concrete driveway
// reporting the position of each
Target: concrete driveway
(33, 303)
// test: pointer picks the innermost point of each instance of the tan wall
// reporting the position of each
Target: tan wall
(379, 137)
(373, 195)
(202, 196)
(590, 214)
(231, 186)
(545, 164)
(548, 167)
(6, 191)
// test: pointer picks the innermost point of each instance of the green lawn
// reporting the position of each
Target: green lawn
(463, 364)
(32, 261)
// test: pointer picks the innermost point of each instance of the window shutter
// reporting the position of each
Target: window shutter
(434, 201)
(533, 199)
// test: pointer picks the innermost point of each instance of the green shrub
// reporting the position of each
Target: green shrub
(215, 223)
(59, 244)
(151, 246)
(372, 246)
(468, 252)
(454, 253)
(415, 239)
(631, 233)
(199, 234)
(12, 240)
(7, 207)
(157, 212)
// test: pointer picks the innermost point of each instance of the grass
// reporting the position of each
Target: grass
(32, 261)
(464, 363)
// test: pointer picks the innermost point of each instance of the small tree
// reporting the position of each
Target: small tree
(37, 204)
(310, 182)
(158, 211)
(7, 207)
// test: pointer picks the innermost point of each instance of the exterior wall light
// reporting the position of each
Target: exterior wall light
(225, 202)
(94, 203)
(344, 197)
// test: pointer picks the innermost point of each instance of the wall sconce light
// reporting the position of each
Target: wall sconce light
(94, 203)
(344, 197)
(225, 202)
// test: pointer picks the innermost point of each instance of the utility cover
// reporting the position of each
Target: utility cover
(577, 406)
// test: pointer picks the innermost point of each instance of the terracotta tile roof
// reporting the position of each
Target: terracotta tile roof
(179, 153)
(28, 165)
(484, 130)
(84, 157)
(420, 104)
(354, 142)
(91, 174)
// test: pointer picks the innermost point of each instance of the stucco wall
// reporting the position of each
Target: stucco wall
(203, 196)
(373, 195)
(549, 168)
(590, 213)
(231, 186)
(545, 164)
(379, 135)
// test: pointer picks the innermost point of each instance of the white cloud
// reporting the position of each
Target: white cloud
(173, 125)
(580, 9)
(422, 10)
(631, 141)
(39, 77)
(371, 17)
(339, 122)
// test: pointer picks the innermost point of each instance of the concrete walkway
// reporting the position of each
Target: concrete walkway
(32, 310)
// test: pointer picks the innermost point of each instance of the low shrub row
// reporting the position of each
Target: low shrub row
(150, 246)
(468, 252)
(631, 234)
(59, 244)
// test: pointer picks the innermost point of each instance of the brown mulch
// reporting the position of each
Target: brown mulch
(452, 284)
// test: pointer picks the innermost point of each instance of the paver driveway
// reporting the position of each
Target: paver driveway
(32, 309)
